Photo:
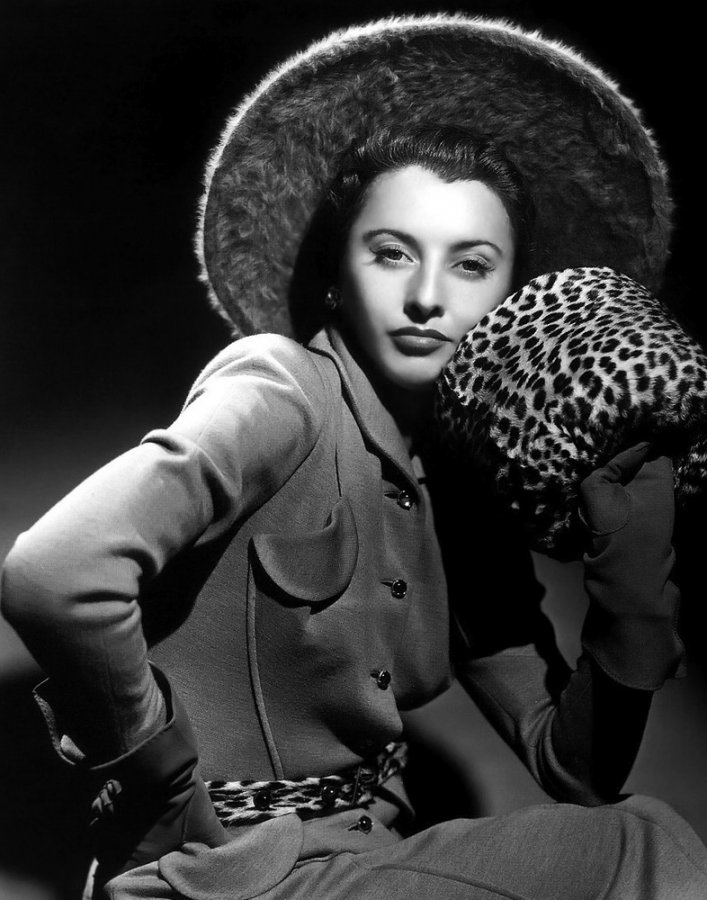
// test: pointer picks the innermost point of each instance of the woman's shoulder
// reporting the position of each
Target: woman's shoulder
(272, 359)
(260, 402)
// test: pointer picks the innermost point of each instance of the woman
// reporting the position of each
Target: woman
(272, 430)
(282, 531)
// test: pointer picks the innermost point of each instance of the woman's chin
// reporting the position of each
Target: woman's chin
(418, 381)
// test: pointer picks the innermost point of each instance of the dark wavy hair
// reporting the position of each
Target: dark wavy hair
(450, 152)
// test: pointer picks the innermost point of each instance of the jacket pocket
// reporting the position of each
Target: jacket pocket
(315, 566)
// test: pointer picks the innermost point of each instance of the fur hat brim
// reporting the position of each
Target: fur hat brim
(599, 184)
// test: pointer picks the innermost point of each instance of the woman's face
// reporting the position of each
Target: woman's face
(424, 260)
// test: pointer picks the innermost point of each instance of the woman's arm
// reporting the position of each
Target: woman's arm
(71, 584)
(579, 731)
(578, 735)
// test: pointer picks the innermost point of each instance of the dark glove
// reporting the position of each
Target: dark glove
(153, 801)
(630, 627)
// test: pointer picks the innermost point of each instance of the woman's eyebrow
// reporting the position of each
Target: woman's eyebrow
(469, 245)
(393, 232)
(410, 239)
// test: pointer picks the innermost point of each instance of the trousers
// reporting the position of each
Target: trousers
(637, 849)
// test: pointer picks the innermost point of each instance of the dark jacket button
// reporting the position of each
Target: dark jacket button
(262, 799)
(399, 588)
(404, 500)
(365, 824)
(329, 793)
(383, 678)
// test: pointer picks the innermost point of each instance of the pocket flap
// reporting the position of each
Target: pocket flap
(312, 566)
(258, 858)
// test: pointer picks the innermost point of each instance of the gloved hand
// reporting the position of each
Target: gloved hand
(152, 800)
(630, 627)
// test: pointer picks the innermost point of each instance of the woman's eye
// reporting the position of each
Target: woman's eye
(389, 256)
(475, 266)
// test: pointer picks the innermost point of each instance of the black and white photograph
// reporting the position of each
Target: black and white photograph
(353, 471)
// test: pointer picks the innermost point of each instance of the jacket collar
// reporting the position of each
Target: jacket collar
(372, 417)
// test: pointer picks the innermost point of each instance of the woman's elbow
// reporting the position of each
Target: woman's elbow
(28, 594)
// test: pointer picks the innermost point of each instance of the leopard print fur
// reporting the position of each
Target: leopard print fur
(557, 379)
(248, 802)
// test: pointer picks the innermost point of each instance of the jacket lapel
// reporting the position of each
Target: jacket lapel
(371, 416)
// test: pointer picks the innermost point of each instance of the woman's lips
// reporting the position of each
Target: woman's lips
(418, 341)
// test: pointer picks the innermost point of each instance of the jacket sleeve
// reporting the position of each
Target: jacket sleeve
(575, 729)
(71, 584)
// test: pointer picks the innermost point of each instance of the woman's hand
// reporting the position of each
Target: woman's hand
(153, 800)
(630, 628)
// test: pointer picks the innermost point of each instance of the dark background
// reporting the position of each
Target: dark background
(108, 112)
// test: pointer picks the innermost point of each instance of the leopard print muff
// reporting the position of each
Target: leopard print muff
(565, 373)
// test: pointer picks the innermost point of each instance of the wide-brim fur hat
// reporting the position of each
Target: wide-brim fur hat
(592, 166)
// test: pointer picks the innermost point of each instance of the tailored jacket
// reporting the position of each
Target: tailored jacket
(302, 580)
(321, 611)
(326, 613)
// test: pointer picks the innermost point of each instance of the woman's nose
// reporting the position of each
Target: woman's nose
(424, 298)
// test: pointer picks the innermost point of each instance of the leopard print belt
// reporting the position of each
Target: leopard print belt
(248, 802)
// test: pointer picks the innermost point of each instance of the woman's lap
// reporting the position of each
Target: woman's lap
(639, 849)
(636, 849)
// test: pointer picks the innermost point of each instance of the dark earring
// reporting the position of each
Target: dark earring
(333, 298)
